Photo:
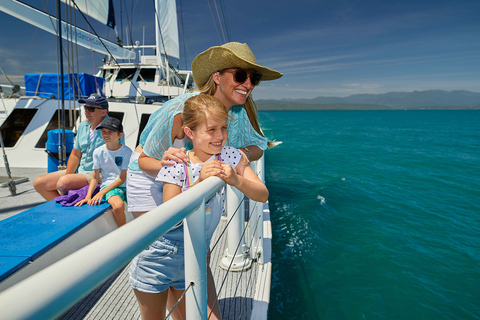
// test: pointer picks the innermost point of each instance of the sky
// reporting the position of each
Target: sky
(323, 47)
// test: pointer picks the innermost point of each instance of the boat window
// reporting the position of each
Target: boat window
(143, 123)
(147, 74)
(71, 117)
(14, 126)
(107, 74)
(125, 74)
(118, 115)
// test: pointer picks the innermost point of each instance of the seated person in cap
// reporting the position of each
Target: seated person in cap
(79, 170)
(111, 160)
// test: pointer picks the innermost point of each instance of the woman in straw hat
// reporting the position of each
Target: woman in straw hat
(228, 72)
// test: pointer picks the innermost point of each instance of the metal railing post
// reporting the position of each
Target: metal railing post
(256, 218)
(196, 264)
(239, 260)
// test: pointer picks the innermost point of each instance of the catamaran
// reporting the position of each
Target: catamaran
(71, 262)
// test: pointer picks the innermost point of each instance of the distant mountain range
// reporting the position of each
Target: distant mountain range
(417, 100)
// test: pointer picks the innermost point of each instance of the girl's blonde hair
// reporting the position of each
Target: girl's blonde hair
(210, 87)
(197, 108)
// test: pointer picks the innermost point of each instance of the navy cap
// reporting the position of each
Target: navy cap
(95, 100)
(111, 124)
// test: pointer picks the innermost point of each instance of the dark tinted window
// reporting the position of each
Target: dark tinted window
(70, 119)
(14, 126)
(126, 73)
(118, 115)
(147, 75)
(143, 123)
(107, 74)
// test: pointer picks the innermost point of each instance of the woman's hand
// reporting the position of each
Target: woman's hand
(173, 155)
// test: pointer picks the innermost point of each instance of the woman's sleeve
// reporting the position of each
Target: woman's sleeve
(159, 135)
(241, 133)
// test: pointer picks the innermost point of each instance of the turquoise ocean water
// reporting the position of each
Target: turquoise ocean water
(375, 214)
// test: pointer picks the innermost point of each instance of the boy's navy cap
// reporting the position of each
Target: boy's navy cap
(111, 124)
(95, 100)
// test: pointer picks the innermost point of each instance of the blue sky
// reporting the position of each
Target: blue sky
(324, 48)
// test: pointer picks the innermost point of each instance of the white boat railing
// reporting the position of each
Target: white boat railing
(52, 291)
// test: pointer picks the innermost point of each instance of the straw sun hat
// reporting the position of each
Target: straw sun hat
(228, 55)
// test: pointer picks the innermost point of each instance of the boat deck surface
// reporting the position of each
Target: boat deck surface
(26, 196)
(114, 299)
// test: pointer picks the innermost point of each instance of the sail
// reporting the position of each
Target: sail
(48, 23)
(100, 10)
(167, 34)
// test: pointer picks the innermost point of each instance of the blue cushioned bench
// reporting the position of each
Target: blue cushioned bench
(29, 234)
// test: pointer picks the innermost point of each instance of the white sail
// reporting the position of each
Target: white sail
(167, 39)
(100, 10)
(49, 23)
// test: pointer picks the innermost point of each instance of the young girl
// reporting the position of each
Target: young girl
(161, 266)
(111, 160)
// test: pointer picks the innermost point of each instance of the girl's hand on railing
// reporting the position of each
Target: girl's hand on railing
(210, 169)
(228, 174)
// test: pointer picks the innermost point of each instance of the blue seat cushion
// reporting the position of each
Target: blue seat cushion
(29, 234)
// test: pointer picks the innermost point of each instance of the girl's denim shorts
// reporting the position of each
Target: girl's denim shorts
(158, 267)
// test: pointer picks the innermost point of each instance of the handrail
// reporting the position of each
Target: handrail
(75, 276)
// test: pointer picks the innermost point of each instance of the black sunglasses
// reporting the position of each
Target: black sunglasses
(240, 76)
(91, 109)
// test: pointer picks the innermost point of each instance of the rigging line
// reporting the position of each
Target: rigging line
(219, 21)
(100, 39)
(243, 267)
(180, 299)
(213, 248)
(226, 226)
(182, 30)
(214, 21)
(73, 122)
(28, 50)
(8, 79)
(71, 66)
(225, 19)
(129, 24)
(231, 262)
(90, 36)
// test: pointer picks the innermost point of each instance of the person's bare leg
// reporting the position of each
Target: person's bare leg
(137, 214)
(152, 305)
(46, 185)
(174, 295)
(71, 182)
(179, 312)
(118, 210)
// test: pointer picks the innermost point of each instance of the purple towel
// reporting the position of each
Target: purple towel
(73, 196)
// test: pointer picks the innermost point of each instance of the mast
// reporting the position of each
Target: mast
(61, 146)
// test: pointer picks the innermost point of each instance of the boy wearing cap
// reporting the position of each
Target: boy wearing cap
(79, 171)
(111, 161)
